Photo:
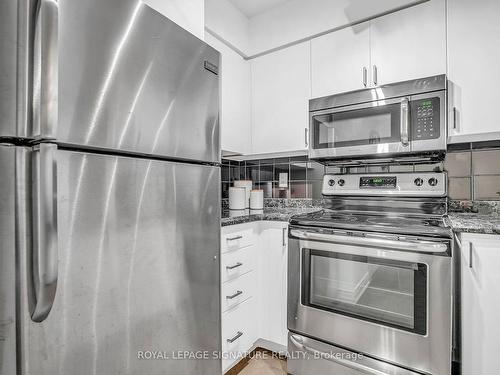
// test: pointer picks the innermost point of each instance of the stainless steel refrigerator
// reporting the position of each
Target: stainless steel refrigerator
(109, 191)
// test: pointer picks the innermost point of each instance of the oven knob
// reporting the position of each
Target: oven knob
(331, 182)
(433, 181)
(341, 182)
(419, 181)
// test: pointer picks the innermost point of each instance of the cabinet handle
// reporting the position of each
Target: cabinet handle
(234, 238)
(471, 249)
(283, 238)
(238, 293)
(236, 337)
(375, 75)
(454, 118)
(306, 137)
(365, 76)
(235, 266)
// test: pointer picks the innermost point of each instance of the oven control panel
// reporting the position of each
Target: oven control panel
(431, 184)
(425, 119)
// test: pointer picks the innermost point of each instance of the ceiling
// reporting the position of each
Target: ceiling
(252, 8)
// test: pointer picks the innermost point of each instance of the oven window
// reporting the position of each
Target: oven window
(392, 293)
(364, 126)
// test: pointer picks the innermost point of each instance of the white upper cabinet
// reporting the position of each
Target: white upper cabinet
(340, 61)
(410, 43)
(473, 65)
(235, 114)
(281, 88)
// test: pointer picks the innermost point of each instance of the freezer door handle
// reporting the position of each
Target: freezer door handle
(44, 250)
(45, 71)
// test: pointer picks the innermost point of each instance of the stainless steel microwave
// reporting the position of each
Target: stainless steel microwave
(392, 120)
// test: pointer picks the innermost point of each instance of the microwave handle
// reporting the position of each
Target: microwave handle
(405, 121)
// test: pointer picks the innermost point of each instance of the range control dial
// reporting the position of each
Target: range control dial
(419, 181)
(433, 181)
(341, 182)
(331, 182)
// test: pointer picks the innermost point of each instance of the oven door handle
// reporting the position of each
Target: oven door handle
(417, 245)
(327, 356)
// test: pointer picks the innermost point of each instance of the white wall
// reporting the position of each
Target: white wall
(224, 19)
(298, 19)
(189, 14)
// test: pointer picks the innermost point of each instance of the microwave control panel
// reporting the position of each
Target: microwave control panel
(425, 119)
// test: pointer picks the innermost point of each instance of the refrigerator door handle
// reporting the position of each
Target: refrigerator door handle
(44, 256)
(45, 71)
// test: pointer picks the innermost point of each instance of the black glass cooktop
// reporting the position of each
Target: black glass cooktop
(387, 223)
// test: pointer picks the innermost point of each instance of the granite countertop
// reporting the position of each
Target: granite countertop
(474, 222)
(470, 222)
(233, 217)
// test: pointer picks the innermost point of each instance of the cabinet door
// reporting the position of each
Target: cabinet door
(235, 111)
(480, 304)
(473, 61)
(410, 43)
(280, 99)
(273, 293)
(338, 61)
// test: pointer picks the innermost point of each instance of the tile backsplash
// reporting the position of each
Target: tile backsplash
(473, 174)
(303, 177)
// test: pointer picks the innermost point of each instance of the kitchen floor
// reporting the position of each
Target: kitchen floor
(264, 366)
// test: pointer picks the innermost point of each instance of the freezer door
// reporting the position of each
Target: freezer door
(138, 271)
(130, 79)
(7, 261)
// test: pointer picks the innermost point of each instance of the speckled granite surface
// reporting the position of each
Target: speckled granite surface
(474, 223)
(464, 216)
(233, 217)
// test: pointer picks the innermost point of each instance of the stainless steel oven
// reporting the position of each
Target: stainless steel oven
(397, 119)
(386, 296)
(371, 274)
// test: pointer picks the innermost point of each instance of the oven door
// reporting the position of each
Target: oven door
(386, 298)
(378, 127)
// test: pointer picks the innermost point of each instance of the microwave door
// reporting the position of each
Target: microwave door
(376, 128)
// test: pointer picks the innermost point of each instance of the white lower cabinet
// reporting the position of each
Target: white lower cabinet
(253, 289)
(480, 306)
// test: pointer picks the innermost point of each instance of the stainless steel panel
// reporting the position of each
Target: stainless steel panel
(441, 142)
(313, 357)
(138, 269)
(393, 90)
(7, 261)
(14, 68)
(430, 353)
(130, 79)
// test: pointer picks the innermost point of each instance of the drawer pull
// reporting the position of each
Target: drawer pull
(236, 337)
(239, 264)
(234, 238)
(238, 293)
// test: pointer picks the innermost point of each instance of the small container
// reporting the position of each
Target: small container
(247, 184)
(237, 198)
(257, 199)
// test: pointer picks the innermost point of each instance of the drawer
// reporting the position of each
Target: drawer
(238, 332)
(237, 239)
(237, 263)
(238, 290)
